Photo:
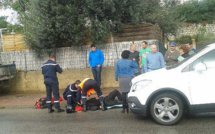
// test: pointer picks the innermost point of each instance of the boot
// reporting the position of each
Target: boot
(103, 106)
(84, 108)
(50, 110)
(59, 110)
(69, 109)
(73, 108)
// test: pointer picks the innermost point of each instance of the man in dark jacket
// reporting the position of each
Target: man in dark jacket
(134, 55)
(70, 96)
(49, 70)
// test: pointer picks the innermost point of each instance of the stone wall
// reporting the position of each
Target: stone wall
(33, 81)
(192, 29)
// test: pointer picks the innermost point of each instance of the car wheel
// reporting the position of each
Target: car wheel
(166, 109)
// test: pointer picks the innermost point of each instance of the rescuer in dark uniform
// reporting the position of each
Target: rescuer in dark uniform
(49, 70)
(69, 95)
(85, 88)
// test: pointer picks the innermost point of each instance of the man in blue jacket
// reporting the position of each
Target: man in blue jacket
(49, 70)
(154, 60)
(96, 59)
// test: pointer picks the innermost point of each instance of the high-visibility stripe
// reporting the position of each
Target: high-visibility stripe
(84, 97)
(82, 83)
(50, 64)
(100, 96)
(48, 101)
(56, 101)
(69, 95)
(70, 88)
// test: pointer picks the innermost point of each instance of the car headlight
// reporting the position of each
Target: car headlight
(140, 85)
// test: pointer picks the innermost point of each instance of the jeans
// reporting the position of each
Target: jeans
(97, 74)
(136, 72)
(143, 69)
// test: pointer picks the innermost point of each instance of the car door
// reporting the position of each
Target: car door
(202, 81)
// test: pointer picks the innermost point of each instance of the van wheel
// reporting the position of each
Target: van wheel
(166, 109)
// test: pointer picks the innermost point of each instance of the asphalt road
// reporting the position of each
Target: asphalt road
(29, 120)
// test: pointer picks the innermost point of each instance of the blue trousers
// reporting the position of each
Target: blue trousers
(143, 70)
(97, 74)
(55, 89)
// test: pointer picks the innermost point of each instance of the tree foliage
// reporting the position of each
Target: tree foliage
(196, 11)
(3, 22)
(55, 23)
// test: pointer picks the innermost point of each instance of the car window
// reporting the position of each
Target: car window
(208, 59)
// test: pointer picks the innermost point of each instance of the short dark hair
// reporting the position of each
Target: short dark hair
(93, 45)
(125, 54)
(145, 42)
(77, 82)
(51, 56)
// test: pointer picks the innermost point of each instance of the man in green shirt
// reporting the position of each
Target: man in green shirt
(143, 54)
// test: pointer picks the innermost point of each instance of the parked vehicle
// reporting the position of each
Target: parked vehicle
(6, 72)
(167, 93)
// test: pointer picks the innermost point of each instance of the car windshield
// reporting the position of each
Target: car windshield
(180, 63)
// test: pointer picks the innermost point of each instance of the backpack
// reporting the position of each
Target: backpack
(41, 103)
(93, 104)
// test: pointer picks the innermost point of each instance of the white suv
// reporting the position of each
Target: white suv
(167, 93)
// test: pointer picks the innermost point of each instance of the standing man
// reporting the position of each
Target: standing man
(96, 59)
(134, 55)
(143, 53)
(171, 56)
(154, 60)
(49, 70)
(192, 50)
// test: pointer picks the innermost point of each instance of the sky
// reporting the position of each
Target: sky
(12, 15)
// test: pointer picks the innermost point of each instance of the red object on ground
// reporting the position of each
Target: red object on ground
(37, 104)
(78, 109)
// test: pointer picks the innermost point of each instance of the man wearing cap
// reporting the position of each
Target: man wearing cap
(96, 59)
(171, 56)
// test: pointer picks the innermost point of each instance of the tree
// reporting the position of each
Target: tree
(197, 11)
(56, 23)
(3, 22)
(163, 14)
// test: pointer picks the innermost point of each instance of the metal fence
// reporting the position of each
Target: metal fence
(69, 57)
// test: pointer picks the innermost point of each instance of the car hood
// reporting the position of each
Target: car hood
(157, 74)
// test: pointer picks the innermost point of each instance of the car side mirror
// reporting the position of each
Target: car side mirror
(200, 67)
